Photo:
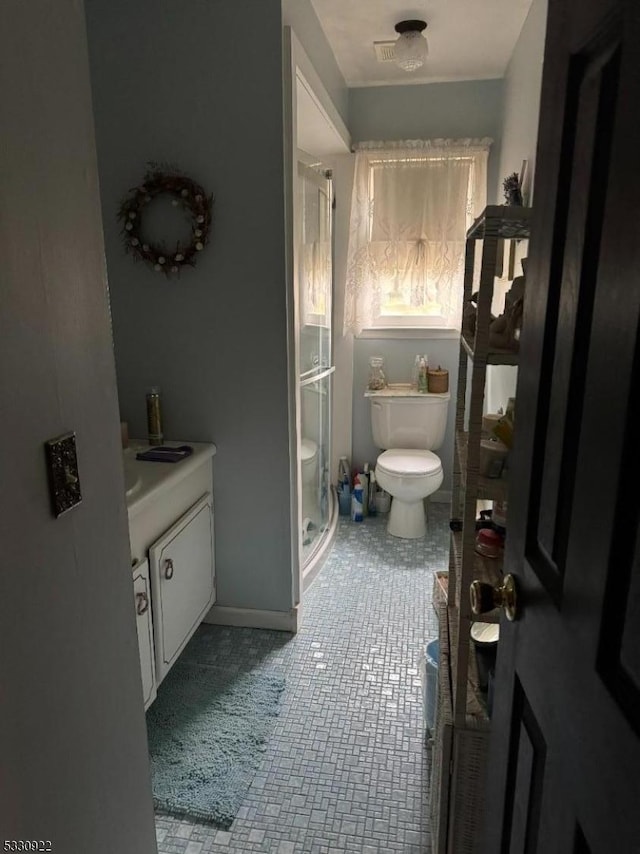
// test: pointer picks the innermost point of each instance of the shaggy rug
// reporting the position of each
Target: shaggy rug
(208, 729)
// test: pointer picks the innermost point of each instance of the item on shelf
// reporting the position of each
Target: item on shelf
(415, 372)
(499, 516)
(438, 380)
(504, 331)
(512, 190)
(485, 637)
(423, 375)
(485, 520)
(489, 543)
(455, 525)
(489, 421)
(154, 416)
(161, 454)
(377, 378)
(469, 316)
(356, 502)
(503, 430)
(493, 456)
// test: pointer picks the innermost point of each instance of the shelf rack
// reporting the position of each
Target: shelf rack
(461, 738)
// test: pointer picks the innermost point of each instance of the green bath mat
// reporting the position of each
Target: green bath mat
(208, 729)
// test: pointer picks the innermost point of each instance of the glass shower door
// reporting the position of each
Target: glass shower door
(315, 369)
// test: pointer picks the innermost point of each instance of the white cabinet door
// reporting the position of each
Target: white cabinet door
(142, 594)
(182, 577)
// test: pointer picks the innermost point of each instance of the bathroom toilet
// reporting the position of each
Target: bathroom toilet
(409, 426)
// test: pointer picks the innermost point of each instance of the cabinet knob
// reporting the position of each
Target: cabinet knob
(485, 598)
(142, 603)
(168, 569)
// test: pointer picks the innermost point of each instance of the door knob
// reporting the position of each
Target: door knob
(485, 597)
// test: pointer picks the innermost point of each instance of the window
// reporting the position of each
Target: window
(411, 207)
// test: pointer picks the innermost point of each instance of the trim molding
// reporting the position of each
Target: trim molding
(282, 621)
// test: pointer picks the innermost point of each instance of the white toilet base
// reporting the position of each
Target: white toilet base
(407, 519)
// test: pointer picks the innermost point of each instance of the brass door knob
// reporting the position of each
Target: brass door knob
(485, 597)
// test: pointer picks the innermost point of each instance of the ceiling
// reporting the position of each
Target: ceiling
(468, 39)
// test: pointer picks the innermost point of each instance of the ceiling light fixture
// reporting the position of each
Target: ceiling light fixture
(411, 47)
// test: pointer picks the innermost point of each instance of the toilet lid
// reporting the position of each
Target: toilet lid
(409, 462)
(308, 450)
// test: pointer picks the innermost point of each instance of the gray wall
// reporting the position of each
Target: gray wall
(168, 87)
(75, 767)
(470, 108)
(301, 17)
(399, 355)
(523, 81)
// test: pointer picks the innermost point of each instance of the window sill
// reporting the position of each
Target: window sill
(406, 332)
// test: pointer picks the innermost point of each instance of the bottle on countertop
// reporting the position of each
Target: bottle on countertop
(415, 373)
(154, 416)
(423, 375)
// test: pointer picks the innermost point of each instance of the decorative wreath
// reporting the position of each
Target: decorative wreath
(186, 194)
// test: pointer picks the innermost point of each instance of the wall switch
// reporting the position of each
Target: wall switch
(62, 466)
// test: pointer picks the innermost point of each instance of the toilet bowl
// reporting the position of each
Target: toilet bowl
(309, 461)
(410, 425)
(409, 476)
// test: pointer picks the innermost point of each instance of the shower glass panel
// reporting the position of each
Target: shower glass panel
(315, 270)
(315, 401)
(315, 369)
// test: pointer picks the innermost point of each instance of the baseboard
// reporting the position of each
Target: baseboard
(442, 496)
(282, 621)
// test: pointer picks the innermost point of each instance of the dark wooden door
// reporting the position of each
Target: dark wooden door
(565, 763)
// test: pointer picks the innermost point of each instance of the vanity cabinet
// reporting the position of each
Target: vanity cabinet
(182, 582)
(170, 509)
(144, 623)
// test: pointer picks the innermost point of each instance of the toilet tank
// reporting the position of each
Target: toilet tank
(403, 418)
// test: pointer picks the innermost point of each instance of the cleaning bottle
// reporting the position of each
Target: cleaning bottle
(356, 502)
(364, 480)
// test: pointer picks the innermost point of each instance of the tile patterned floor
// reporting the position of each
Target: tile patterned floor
(346, 769)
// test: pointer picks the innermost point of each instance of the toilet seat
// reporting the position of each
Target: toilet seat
(409, 463)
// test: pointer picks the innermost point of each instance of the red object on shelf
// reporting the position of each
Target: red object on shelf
(488, 542)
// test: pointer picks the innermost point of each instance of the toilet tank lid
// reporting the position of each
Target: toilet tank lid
(308, 449)
(409, 462)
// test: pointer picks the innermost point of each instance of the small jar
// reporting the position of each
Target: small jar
(377, 378)
(488, 542)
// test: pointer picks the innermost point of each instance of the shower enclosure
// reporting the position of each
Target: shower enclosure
(315, 368)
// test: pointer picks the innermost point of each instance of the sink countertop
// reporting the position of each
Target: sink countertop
(155, 477)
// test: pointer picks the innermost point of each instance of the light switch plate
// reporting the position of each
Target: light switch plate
(64, 481)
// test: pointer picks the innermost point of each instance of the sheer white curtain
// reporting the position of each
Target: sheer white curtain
(411, 206)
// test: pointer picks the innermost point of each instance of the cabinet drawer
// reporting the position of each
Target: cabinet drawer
(182, 577)
(144, 622)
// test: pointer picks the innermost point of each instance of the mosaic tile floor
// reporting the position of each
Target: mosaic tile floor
(346, 769)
